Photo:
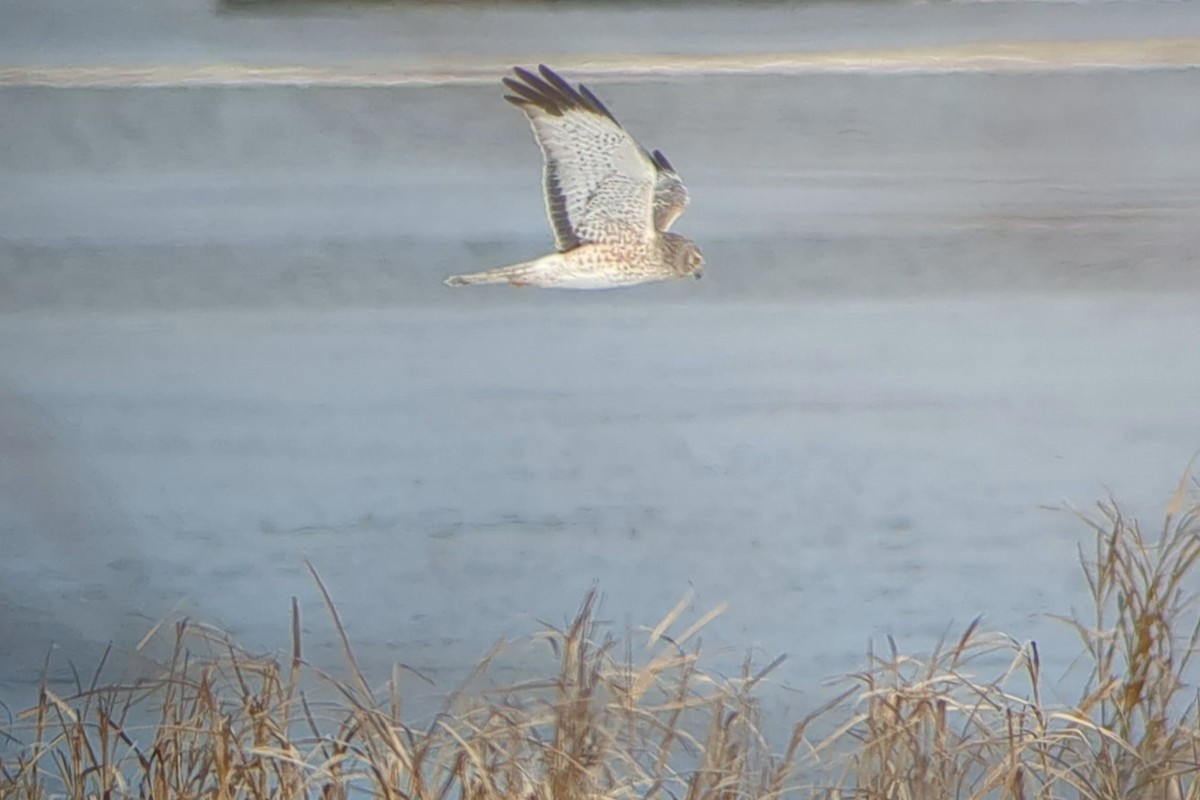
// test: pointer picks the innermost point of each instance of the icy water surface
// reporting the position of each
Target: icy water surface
(835, 471)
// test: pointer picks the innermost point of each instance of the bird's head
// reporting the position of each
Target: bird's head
(685, 256)
(695, 262)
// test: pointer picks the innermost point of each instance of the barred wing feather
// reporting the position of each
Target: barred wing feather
(601, 186)
(670, 195)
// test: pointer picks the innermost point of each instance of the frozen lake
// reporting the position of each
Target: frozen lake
(834, 470)
(936, 304)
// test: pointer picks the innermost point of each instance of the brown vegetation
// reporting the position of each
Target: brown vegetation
(608, 726)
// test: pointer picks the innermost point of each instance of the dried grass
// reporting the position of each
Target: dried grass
(609, 725)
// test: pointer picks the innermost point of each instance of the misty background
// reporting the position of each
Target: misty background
(952, 289)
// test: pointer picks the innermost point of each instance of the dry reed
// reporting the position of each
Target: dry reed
(609, 725)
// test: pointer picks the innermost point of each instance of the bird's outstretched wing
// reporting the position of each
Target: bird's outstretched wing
(670, 195)
(600, 184)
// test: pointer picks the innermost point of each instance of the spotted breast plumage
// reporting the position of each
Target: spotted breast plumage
(610, 202)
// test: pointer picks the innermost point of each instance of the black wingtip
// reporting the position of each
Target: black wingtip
(595, 103)
(524, 74)
(661, 161)
(558, 82)
(530, 93)
(550, 92)
(534, 91)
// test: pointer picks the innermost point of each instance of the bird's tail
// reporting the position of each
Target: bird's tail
(525, 274)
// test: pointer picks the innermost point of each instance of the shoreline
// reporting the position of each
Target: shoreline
(987, 57)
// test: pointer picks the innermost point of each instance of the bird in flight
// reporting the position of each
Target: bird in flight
(610, 202)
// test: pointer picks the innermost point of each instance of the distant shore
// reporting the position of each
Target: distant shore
(1016, 56)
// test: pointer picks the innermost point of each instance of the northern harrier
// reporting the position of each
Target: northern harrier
(609, 201)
